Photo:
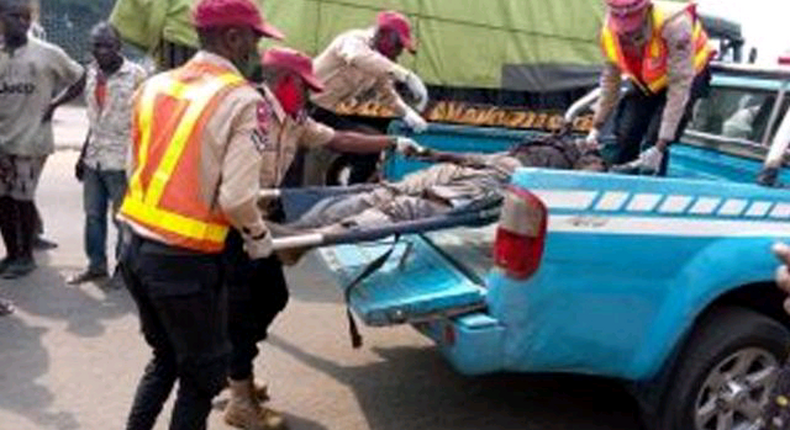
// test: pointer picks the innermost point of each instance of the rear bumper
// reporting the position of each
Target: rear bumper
(472, 343)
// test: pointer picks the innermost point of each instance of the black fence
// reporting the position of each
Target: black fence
(67, 23)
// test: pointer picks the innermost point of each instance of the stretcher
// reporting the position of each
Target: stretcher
(297, 201)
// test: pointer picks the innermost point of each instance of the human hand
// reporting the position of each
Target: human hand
(591, 142)
(409, 148)
(79, 169)
(782, 252)
(650, 160)
(258, 246)
(415, 122)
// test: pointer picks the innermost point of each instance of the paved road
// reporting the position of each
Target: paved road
(70, 356)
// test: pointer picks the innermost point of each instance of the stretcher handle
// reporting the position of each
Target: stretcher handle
(580, 105)
(406, 227)
(274, 193)
(779, 147)
(311, 240)
(769, 175)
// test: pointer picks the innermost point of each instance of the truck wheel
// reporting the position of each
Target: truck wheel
(726, 372)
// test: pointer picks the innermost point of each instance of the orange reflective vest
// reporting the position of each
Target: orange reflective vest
(652, 78)
(169, 118)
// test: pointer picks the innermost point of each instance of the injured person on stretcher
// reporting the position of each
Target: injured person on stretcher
(459, 183)
(456, 182)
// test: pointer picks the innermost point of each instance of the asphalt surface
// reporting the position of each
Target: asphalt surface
(70, 356)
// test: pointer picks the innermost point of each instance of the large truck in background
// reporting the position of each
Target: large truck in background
(499, 63)
(501, 53)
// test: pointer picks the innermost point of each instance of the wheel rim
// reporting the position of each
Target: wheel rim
(736, 390)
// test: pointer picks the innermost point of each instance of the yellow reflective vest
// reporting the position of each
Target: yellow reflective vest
(651, 76)
(170, 115)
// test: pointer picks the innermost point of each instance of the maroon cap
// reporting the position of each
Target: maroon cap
(224, 13)
(399, 24)
(627, 16)
(293, 61)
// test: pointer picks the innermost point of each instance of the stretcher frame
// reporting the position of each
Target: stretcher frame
(475, 215)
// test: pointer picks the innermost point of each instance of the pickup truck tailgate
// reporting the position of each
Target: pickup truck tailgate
(417, 282)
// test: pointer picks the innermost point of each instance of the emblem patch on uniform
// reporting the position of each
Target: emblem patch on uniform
(260, 140)
(260, 137)
(264, 113)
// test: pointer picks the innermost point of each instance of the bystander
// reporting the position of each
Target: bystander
(31, 72)
(111, 83)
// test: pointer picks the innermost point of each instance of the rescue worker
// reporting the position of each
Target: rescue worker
(663, 51)
(360, 65)
(257, 289)
(198, 143)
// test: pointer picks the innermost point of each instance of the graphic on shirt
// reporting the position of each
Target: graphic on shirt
(18, 80)
(17, 88)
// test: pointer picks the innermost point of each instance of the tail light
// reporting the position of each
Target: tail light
(521, 235)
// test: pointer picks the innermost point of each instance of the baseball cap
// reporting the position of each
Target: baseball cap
(399, 24)
(293, 61)
(627, 15)
(220, 13)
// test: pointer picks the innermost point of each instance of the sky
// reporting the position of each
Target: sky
(764, 23)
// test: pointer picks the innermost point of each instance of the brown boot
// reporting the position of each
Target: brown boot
(244, 412)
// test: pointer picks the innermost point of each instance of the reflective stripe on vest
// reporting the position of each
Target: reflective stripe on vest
(144, 200)
(652, 78)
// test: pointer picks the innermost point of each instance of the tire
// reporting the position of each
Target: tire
(725, 341)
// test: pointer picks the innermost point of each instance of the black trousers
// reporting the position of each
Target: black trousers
(638, 119)
(182, 303)
(18, 227)
(257, 293)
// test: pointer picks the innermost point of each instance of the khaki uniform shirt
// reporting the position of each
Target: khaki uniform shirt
(680, 76)
(286, 134)
(233, 144)
(352, 70)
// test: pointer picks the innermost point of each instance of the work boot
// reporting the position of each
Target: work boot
(244, 412)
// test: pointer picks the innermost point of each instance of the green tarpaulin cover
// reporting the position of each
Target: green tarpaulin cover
(462, 43)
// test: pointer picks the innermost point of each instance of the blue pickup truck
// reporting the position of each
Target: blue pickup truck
(664, 283)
